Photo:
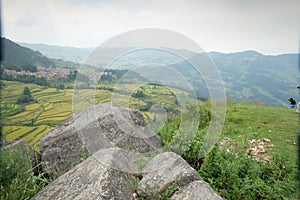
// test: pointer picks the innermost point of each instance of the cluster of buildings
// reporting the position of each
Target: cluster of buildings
(49, 73)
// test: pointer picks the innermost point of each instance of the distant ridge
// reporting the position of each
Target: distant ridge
(73, 54)
(253, 76)
(21, 58)
(247, 75)
(17, 57)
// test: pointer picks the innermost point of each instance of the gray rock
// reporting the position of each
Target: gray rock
(90, 180)
(90, 130)
(165, 170)
(119, 143)
(25, 149)
(61, 149)
(195, 191)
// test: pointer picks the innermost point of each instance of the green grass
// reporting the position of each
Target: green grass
(234, 174)
(246, 121)
(17, 175)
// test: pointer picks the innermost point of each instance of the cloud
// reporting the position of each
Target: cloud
(267, 26)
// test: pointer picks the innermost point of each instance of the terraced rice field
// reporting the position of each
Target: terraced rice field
(30, 122)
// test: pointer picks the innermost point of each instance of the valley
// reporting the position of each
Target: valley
(259, 130)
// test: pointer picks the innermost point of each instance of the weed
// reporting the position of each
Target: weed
(169, 191)
(17, 177)
(84, 157)
(239, 177)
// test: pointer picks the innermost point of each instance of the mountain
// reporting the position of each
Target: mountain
(252, 76)
(66, 53)
(21, 58)
(17, 57)
(247, 76)
(79, 55)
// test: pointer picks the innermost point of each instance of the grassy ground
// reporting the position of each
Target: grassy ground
(247, 121)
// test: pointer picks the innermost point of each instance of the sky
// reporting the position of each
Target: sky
(269, 26)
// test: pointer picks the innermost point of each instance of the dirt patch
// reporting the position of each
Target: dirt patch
(256, 149)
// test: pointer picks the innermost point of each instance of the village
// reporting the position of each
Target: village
(49, 73)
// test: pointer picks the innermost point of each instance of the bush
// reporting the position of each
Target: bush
(17, 179)
(232, 175)
(25, 97)
(235, 176)
(178, 141)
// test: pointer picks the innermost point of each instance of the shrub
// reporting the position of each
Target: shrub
(235, 176)
(17, 178)
(25, 97)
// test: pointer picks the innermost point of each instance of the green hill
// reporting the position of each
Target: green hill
(255, 77)
(16, 57)
(248, 76)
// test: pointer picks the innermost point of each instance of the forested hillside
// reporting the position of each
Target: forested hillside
(16, 57)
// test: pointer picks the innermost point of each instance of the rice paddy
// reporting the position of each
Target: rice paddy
(52, 107)
(30, 122)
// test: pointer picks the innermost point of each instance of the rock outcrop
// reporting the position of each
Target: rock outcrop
(89, 180)
(195, 191)
(165, 170)
(90, 130)
(120, 164)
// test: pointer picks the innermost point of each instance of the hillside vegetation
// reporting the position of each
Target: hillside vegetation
(248, 75)
(244, 121)
(17, 57)
(255, 157)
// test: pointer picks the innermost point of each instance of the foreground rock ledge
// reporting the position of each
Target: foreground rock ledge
(93, 180)
(195, 191)
(113, 171)
(89, 180)
(98, 127)
(165, 170)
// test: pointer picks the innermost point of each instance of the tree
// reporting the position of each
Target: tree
(27, 92)
(139, 94)
(25, 97)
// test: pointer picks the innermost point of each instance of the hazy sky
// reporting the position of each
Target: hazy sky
(268, 26)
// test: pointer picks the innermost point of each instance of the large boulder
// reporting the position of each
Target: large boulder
(100, 153)
(165, 170)
(91, 180)
(90, 130)
(195, 191)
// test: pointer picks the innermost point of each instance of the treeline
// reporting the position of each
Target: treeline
(29, 68)
(26, 79)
